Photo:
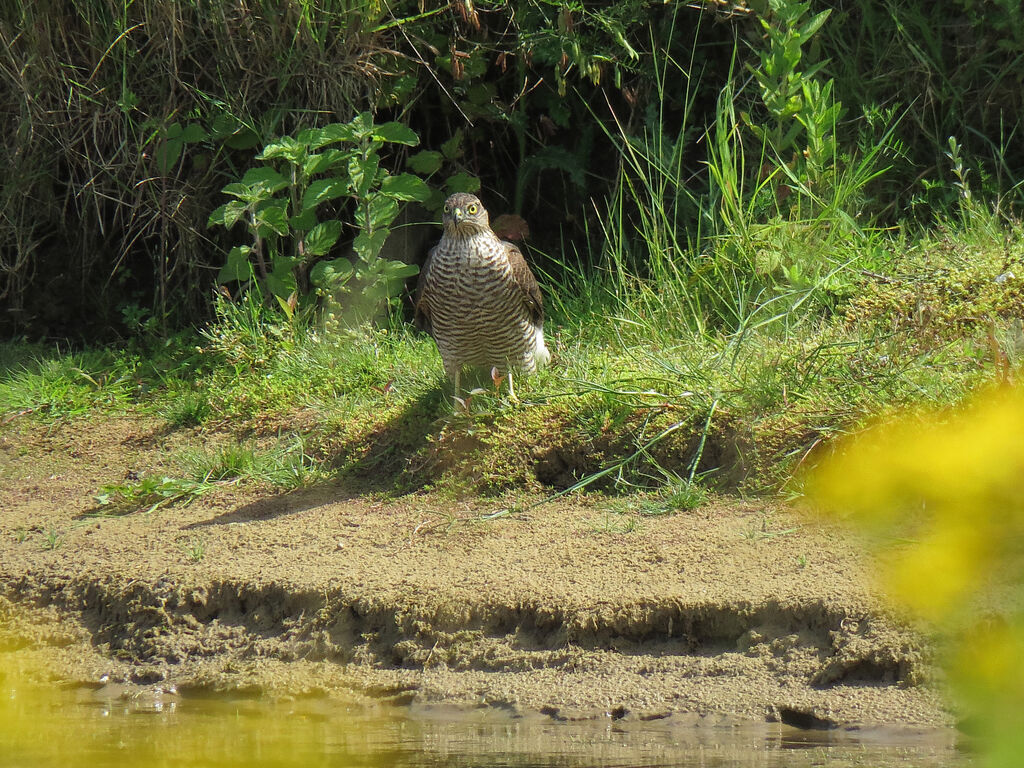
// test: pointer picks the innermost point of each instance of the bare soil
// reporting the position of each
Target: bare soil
(737, 609)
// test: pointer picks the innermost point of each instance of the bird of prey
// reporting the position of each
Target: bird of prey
(478, 298)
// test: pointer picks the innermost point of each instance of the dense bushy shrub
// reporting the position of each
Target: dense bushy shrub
(123, 121)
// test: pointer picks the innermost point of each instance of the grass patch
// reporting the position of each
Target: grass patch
(285, 465)
(193, 548)
(185, 406)
(637, 400)
(52, 539)
(52, 384)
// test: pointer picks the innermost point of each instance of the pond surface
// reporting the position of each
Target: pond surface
(110, 726)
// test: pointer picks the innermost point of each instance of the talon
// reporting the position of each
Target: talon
(496, 377)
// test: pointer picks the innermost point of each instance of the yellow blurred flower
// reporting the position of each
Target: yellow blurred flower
(946, 491)
(952, 483)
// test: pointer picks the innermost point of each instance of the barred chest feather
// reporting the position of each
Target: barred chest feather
(478, 313)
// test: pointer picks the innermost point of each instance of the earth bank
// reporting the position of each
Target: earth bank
(570, 610)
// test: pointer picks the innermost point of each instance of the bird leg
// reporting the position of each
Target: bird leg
(459, 402)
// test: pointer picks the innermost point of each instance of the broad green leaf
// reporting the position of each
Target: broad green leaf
(234, 210)
(174, 131)
(555, 157)
(323, 189)
(271, 179)
(407, 187)
(201, 160)
(375, 291)
(371, 270)
(324, 161)
(217, 217)
(333, 133)
(481, 93)
(326, 273)
(399, 270)
(282, 284)
(453, 147)
(237, 266)
(194, 132)
(311, 137)
(435, 201)
(322, 238)
(167, 154)
(285, 147)
(245, 138)
(398, 89)
(288, 305)
(239, 190)
(314, 164)
(304, 221)
(367, 246)
(814, 24)
(228, 214)
(382, 211)
(272, 218)
(224, 125)
(476, 65)
(363, 172)
(361, 126)
(425, 162)
(462, 182)
(396, 133)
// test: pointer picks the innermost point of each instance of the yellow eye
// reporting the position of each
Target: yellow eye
(447, 209)
(471, 209)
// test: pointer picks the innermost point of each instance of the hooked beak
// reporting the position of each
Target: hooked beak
(458, 215)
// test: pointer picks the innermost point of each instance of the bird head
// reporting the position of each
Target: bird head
(464, 214)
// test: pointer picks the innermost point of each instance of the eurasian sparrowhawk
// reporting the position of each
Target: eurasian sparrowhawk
(478, 298)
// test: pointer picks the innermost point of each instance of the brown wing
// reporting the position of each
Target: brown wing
(527, 283)
(421, 299)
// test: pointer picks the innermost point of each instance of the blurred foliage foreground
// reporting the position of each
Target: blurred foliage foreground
(945, 491)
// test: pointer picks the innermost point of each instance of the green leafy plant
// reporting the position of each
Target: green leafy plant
(288, 204)
(149, 493)
(803, 109)
(447, 162)
(67, 385)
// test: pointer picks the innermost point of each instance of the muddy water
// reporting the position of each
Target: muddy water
(109, 726)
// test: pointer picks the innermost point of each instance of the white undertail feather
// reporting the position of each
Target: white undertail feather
(540, 351)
